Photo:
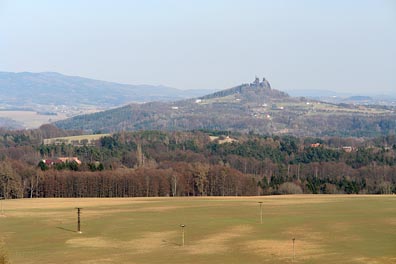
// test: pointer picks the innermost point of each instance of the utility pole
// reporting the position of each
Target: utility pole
(79, 220)
(261, 212)
(182, 227)
(1, 205)
(294, 255)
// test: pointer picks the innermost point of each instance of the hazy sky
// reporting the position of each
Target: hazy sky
(340, 45)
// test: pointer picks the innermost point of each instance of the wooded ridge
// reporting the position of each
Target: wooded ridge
(254, 107)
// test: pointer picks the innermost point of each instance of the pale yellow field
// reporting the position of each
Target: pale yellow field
(68, 140)
(327, 229)
(31, 119)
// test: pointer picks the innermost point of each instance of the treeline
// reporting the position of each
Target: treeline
(185, 180)
(214, 163)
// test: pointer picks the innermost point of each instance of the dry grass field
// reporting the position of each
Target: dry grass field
(31, 119)
(327, 229)
(78, 139)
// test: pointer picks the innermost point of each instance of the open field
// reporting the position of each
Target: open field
(34, 119)
(75, 139)
(31, 119)
(327, 229)
(322, 107)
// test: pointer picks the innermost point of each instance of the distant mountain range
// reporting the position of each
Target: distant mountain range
(345, 97)
(253, 107)
(28, 90)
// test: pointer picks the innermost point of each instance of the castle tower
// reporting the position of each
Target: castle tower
(256, 81)
(266, 84)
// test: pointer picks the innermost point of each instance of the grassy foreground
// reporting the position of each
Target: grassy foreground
(327, 229)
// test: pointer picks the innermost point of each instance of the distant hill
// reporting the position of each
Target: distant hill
(359, 98)
(316, 93)
(253, 107)
(26, 89)
(345, 97)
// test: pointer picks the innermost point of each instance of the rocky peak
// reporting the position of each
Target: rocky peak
(255, 91)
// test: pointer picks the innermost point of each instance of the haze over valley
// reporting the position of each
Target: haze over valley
(28, 100)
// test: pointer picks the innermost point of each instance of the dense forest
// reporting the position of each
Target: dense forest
(194, 163)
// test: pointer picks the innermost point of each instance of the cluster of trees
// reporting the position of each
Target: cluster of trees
(154, 163)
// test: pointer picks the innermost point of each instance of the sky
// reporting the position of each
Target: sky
(338, 45)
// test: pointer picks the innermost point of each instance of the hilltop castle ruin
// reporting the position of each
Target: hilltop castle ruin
(258, 84)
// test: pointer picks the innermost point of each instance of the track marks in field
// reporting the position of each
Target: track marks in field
(151, 241)
(99, 261)
(92, 242)
(148, 242)
(283, 249)
(382, 260)
(218, 243)
(390, 221)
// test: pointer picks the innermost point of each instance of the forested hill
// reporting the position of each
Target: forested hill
(254, 107)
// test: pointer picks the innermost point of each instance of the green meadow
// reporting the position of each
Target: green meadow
(326, 229)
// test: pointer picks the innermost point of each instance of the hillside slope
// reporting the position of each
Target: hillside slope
(254, 107)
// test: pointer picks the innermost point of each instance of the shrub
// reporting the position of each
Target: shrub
(289, 188)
